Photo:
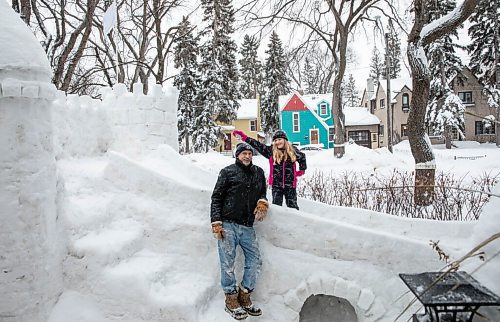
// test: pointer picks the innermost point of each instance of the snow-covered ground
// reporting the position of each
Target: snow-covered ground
(139, 246)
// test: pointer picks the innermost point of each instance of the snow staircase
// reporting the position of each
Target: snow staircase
(124, 249)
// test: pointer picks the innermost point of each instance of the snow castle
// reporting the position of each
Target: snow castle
(102, 219)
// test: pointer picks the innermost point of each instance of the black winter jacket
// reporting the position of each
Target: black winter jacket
(236, 193)
(284, 174)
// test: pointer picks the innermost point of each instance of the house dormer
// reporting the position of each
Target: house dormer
(323, 109)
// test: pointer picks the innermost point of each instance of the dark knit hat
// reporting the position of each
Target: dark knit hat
(243, 147)
(280, 134)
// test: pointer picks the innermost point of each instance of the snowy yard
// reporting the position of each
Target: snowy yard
(140, 248)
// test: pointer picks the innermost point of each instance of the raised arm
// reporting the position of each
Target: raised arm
(263, 149)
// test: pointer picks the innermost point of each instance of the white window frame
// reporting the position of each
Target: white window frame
(298, 122)
(321, 111)
(333, 136)
(382, 100)
(463, 94)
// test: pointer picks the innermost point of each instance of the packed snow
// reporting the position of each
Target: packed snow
(140, 246)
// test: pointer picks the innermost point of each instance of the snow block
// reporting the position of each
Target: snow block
(366, 299)
(352, 293)
(138, 89)
(120, 89)
(11, 88)
(313, 285)
(376, 312)
(292, 301)
(327, 285)
(49, 91)
(30, 91)
(155, 116)
(156, 90)
(340, 288)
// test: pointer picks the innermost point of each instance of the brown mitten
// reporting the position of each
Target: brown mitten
(217, 230)
(261, 209)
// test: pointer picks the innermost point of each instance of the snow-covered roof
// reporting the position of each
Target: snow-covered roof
(22, 55)
(359, 116)
(248, 109)
(397, 85)
(353, 115)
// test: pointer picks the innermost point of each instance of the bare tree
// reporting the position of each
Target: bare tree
(316, 18)
(421, 35)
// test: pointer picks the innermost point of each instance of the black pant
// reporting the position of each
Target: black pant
(290, 197)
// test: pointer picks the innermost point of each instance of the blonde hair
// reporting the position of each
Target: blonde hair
(283, 155)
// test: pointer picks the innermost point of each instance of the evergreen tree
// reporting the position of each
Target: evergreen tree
(444, 112)
(482, 34)
(205, 131)
(250, 68)
(219, 90)
(350, 92)
(394, 49)
(276, 83)
(376, 65)
(187, 81)
(482, 50)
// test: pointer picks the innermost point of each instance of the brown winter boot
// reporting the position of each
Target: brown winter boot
(234, 308)
(246, 302)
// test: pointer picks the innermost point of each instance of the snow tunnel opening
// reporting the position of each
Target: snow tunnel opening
(327, 308)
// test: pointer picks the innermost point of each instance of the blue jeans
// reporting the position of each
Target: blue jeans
(235, 235)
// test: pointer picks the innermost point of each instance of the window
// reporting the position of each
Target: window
(366, 104)
(359, 135)
(404, 129)
(373, 105)
(454, 134)
(331, 134)
(296, 122)
(253, 125)
(406, 102)
(381, 130)
(382, 103)
(466, 97)
(374, 137)
(322, 109)
(481, 129)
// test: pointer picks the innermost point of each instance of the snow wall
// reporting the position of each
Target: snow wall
(130, 122)
(39, 125)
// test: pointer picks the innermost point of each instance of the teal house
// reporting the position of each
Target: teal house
(307, 119)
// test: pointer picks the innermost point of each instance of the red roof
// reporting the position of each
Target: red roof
(295, 104)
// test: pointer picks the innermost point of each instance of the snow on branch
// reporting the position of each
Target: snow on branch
(442, 26)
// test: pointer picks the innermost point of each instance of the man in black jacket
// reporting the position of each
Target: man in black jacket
(238, 199)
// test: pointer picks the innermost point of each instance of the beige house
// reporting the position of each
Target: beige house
(375, 99)
(247, 120)
(476, 102)
(470, 92)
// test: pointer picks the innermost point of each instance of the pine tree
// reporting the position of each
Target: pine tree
(250, 68)
(376, 65)
(350, 93)
(219, 90)
(276, 83)
(187, 81)
(443, 110)
(205, 131)
(482, 51)
(394, 49)
(482, 34)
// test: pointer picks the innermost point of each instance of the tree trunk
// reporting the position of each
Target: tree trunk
(447, 136)
(338, 113)
(419, 141)
(26, 11)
